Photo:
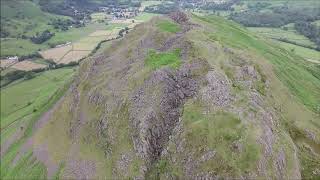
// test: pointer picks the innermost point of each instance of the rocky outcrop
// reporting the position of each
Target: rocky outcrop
(155, 111)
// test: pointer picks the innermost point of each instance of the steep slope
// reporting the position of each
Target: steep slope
(198, 99)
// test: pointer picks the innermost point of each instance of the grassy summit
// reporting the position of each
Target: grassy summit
(156, 60)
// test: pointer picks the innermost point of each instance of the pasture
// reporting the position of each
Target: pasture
(144, 16)
(277, 33)
(5, 63)
(28, 66)
(22, 103)
(100, 16)
(308, 54)
(56, 53)
(74, 56)
(19, 47)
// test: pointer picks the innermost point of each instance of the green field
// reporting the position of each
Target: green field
(277, 33)
(24, 18)
(317, 23)
(144, 16)
(168, 26)
(10, 46)
(22, 102)
(19, 99)
(19, 47)
(306, 53)
(156, 60)
(149, 3)
(278, 3)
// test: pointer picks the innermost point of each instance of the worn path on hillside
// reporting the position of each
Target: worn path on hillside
(41, 151)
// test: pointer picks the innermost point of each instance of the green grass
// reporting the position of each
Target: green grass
(306, 53)
(150, 3)
(157, 60)
(168, 26)
(277, 33)
(16, 111)
(28, 168)
(99, 16)
(144, 16)
(19, 47)
(13, 46)
(24, 17)
(75, 34)
(317, 23)
(22, 97)
(289, 68)
(218, 131)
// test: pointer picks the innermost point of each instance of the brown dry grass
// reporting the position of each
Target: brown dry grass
(100, 33)
(4, 63)
(56, 53)
(74, 56)
(28, 66)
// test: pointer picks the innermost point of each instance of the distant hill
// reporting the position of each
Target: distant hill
(23, 17)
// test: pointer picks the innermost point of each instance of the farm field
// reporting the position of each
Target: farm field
(56, 53)
(13, 46)
(74, 56)
(19, 47)
(144, 16)
(4, 63)
(100, 16)
(90, 39)
(145, 4)
(28, 66)
(22, 103)
(277, 33)
(308, 54)
(18, 98)
(80, 48)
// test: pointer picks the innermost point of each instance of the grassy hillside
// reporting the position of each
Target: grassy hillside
(23, 17)
(294, 73)
(199, 99)
(22, 103)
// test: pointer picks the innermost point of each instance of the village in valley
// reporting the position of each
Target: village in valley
(103, 25)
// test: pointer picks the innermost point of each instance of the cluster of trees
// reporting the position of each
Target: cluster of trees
(128, 3)
(309, 30)
(258, 6)
(278, 17)
(260, 19)
(40, 38)
(122, 31)
(17, 74)
(64, 24)
(226, 6)
(179, 17)
(4, 33)
(163, 8)
(30, 56)
(76, 9)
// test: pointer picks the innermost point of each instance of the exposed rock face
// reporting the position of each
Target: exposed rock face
(154, 113)
(179, 17)
(217, 92)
